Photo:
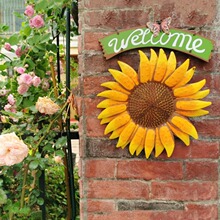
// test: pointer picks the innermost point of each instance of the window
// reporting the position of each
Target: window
(7, 13)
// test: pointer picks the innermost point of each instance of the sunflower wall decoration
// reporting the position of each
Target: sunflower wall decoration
(145, 110)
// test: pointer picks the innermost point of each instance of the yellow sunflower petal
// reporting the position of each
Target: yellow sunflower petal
(144, 68)
(112, 110)
(123, 79)
(181, 135)
(117, 122)
(114, 95)
(199, 95)
(140, 147)
(166, 138)
(153, 63)
(177, 75)
(116, 133)
(130, 137)
(129, 71)
(124, 145)
(115, 86)
(191, 104)
(107, 120)
(161, 66)
(189, 89)
(136, 141)
(126, 134)
(158, 145)
(186, 78)
(193, 113)
(184, 125)
(171, 65)
(109, 102)
(149, 142)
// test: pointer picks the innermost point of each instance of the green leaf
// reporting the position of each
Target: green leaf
(3, 197)
(41, 5)
(59, 153)
(24, 210)
(45, 38)
(27, 31)
(3, 67)
(33, 164)
(30, 63)
(14, 39)
(51, 47)
(40, 201)
(61, 142)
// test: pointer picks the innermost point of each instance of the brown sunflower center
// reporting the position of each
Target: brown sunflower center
(151, 104)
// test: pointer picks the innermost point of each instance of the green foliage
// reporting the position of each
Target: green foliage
(34, 52)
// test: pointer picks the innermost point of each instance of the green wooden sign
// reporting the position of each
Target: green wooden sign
(178, 39)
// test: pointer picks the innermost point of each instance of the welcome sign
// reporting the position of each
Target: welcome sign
(180, 40)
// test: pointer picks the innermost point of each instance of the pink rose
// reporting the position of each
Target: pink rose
(23, 88)
(25, 79)
(7, 46)
(36, 81)
(18, 52)
(29, 11)
(46, 106)
(12, 149)
(10, 108)
(11, 99)
(58, 159)
(20, 70)
(36, 22)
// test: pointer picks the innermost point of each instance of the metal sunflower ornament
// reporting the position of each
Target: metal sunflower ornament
(145, 110)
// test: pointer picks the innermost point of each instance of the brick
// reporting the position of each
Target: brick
(192, 212)
(208, 128)
(116, 19)
(202, 211)
(140, 215)
(149, 170)
(90, 107)
(91, 40)
(96, 147)
(92, 84)
(183, 187)
(93, 127)
(215, 87)
(204, 149)
(194, 14)
(187, 191)
(104, 206)
(201, 171)
(81, 187)
(83, 209)
(96, 63)
(112, 4)
(181, 151)
(100, 168)
(214, 109)
(117, 189)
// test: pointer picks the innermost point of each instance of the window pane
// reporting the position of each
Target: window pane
(7, 16)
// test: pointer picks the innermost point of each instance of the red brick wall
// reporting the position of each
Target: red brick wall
(115, 185)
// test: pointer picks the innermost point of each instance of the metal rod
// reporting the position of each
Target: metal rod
(58, 57)
(69, 148)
